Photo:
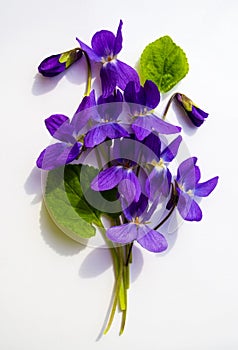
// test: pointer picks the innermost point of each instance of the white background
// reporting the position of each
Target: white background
(54, 294)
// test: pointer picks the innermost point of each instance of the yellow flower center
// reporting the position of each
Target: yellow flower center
(137, 221)
(160, 164)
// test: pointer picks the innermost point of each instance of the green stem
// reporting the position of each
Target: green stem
(125, 284)
(168, 105)
(89, 79)
(121, 297)
(115, 261)
(117, 288)
(124, 313)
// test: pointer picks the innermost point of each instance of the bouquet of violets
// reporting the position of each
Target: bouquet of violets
(109, 172)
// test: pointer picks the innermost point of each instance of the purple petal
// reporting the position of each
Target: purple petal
(87, 102)
(108, 76)
(125, 74)
(111, 106)
(85, 112)
(95, 136)
(122, 234)
(186, 167)
(133, 96)
(153, 142)
(197, 116)
(127, 192)
(99, 133)
(170, 152)
(143, 126)
(130, 187)
(205, 188)
(57, 155)
(152, 94)
(110, 99)
(154, 182)
(118, 40)
(151, 239)
(59, 127)
(54, 122)
(145, 97)
(188, 208)
(135, 208)
(51, 66)
(92, 55)
(158, 184)
(108, 179)
(114, 130)
(188, 173)
(103, 43)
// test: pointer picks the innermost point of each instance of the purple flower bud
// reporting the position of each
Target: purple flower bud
(195, 114)
(56, 64)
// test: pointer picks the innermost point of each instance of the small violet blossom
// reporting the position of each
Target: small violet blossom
(188, 188)
(141, 104)
(195, 114)
(137, 228)
(63, 152)
(105, 120)
(56, 64)
(113, 73)
(69, 133)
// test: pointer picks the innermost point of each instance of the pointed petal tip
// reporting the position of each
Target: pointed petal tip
(203, 189)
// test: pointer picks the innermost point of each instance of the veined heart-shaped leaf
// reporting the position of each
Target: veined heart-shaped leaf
(164, 63)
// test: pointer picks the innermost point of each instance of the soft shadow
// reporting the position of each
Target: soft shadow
(42, 85)
(76, 74)
(55, 238)
(95, 263)
(33, 185)
(99, 260)
(137, 263)
(170, 231)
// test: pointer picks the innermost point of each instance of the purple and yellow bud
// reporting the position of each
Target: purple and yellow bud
(195, 114)
(56, 64)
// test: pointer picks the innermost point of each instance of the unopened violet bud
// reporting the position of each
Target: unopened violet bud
(195, 114)
(56, 64)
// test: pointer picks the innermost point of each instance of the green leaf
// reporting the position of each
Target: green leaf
(164, 63)
(66, 202)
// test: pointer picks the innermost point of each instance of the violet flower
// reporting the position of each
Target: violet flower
(69, 133)
(63, 152)
(188, 188)
(105, 121)
(137, 228)
(195, 114)
(141, 105)
(56, 64)
(105, 48)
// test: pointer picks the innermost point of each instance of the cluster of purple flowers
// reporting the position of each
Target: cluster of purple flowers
(125, 111)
